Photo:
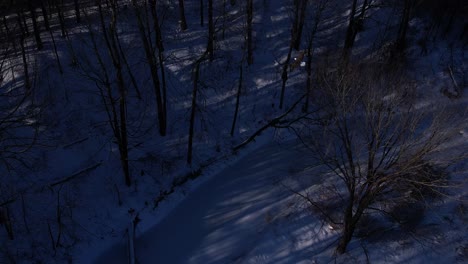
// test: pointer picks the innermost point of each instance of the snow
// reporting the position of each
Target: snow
(241, 208)
(222, 220)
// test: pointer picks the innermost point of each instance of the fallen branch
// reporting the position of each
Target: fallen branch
(74, 175)
(272, 123)
(75, 142)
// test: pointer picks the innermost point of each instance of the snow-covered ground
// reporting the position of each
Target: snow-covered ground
(72, 206)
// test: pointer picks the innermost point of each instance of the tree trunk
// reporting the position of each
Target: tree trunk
(160, 46)
(202, 19)
(309, 77)
(249, 32)
(192, 113)
(236, 111)
(154, 72)
(210, 31)
(77, 11)
(44, 15)
(183, 21)
(112, 47)
(22, 23)
(60, 15)
(284, 75)
(300, 23)
(37, 33)
(56, 53)
(27, 82)
(400, 44)
(350, 32)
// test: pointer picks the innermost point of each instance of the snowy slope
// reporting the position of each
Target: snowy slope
(71, 205)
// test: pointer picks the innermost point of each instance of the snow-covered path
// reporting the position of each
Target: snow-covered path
(221, 221)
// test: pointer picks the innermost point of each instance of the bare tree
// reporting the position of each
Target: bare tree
(371, 136)
(153, 64)
(105, 77)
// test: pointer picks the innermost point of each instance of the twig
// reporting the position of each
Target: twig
(76, 174)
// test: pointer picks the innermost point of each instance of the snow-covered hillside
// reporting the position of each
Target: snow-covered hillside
(63, 195)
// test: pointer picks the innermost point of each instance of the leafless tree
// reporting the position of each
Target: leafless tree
(111, 72)
(153, 61)
(372, 136)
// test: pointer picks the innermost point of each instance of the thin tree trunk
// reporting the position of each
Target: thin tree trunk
(22, 23)
(60, 15)
(401, 38)
(249, 32)
(77, 11)
(44, 15)
(349, 41)
(300, 23)
(154, 72)
(236, 111)
(284, 75)
(210, 31)
(183, 21)
(202, 19)
(192, 113)
(56, 53)
(160, 46)
(37, 33)
(27, 82)
(111, 43)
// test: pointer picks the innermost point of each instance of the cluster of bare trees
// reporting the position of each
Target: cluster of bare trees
(368, 131)
(371, 136)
